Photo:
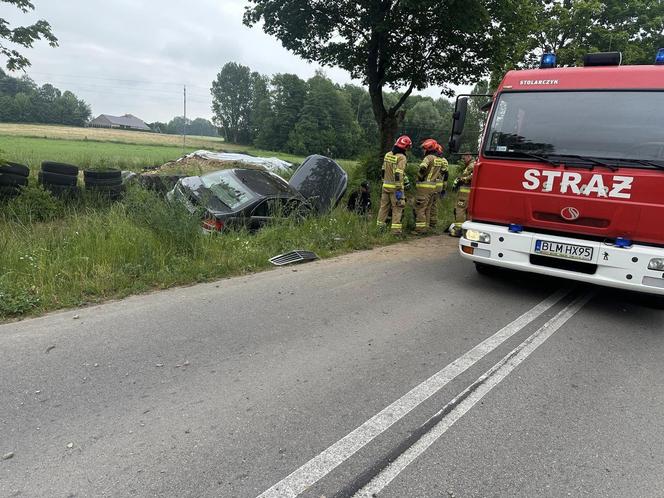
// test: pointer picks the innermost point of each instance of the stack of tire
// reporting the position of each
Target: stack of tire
(107, 183)
(59, 178)
(13, 177)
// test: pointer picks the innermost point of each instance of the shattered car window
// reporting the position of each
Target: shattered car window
(227, 188)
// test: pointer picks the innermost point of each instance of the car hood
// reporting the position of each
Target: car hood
(321, 181)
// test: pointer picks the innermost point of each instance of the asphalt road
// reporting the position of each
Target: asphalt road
(398, 373)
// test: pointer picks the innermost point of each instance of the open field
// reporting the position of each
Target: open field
(32, 144)
(105, 135)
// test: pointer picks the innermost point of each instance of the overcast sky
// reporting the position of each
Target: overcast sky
(134, 56)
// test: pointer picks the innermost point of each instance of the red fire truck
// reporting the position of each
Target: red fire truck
(569, 180)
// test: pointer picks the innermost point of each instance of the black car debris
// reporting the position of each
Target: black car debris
(252, 198)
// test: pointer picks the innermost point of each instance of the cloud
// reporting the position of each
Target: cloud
(134, 56)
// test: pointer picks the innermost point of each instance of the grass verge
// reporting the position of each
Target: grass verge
(55, 255)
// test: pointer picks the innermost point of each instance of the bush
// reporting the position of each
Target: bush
(33, 205)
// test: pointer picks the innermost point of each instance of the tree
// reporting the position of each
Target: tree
(24, 36)
(409, 44)
(22, 101)
(231, 101)
(573, 28)
(287, 94)
(326, 124)
(202, 127)
(260, 105)
(423, 121)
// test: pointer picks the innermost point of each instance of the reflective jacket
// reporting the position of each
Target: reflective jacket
(440, 174)
(426, 177)
(466, 176)
(394, 167)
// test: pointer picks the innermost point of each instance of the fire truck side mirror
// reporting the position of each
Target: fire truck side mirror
(460, 113)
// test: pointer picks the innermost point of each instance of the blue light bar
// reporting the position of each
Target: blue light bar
(623, 243)
(659, 60)
(548, 61)
(514, 228)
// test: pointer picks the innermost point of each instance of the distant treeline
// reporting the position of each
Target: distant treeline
(176, 126)
(22, 101)
(287, 113)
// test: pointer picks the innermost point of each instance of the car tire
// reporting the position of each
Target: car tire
(102, 175)
(110, 191)
(9, 192)
(63, 191)
(103, 182)
(11, 180)
(59, 168)
(15, 169)
(48, 178)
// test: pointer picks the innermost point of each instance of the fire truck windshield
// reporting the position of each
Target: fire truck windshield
(623, 125)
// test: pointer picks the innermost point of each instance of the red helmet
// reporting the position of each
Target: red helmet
(404, 142)
(430, 145)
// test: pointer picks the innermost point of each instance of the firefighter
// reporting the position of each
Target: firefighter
(440, 176)
(425, 185)
(393, 196)
(360, 200)
(462, 185)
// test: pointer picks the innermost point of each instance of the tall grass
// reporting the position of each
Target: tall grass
(86, 253)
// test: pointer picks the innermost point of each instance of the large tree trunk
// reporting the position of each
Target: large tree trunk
(389, 126)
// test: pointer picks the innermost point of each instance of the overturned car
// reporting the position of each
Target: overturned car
(252, 198)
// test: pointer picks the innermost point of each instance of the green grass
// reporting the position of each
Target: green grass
(55, 255)
(32, 151)
(135, 157)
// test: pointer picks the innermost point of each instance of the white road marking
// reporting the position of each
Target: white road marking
(480, 388)
(322, 464)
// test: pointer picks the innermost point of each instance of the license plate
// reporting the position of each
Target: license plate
(566, 251)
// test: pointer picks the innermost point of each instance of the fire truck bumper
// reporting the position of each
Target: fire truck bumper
(601, 263)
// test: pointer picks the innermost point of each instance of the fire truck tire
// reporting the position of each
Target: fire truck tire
(484, 269)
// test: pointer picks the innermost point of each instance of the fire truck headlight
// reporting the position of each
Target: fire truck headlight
(656, 264)
(477, 236)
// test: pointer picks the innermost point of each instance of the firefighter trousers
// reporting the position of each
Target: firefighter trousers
(388, 202)
(432, 210)
(461, 207)
(422, 200)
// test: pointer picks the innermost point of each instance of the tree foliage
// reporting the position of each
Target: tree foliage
(326, 125)
(573, 28)
(23, 36)
(409, 44)
(231, 101)
(178, 125)
(22, 101)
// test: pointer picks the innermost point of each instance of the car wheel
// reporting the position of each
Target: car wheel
(15, 169)
(48, 178)
(102, 175)
(110, 191)
(9, 179)
(103, 182)
(8, 192)
(63, 191)
(59, 168)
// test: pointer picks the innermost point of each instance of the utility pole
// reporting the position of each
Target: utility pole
(184, 124)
